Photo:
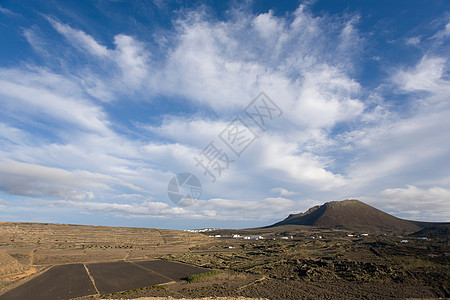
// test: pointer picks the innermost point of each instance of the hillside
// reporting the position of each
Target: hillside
(440, 230)
(352, 214)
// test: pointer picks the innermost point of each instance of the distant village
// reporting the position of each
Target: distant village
(290, 237)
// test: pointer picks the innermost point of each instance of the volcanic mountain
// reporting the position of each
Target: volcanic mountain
(353, 214)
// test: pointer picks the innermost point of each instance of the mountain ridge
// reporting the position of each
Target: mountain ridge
(352, 213)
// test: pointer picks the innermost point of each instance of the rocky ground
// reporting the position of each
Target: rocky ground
(204, 298)
(314, 264)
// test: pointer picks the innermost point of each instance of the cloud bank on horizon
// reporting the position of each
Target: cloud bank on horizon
(103, 102)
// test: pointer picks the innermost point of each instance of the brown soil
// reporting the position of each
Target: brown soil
(208, 298)
(30, 248)
(56, 283)
(334, 266)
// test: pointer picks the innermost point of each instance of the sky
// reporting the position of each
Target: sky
(272, 106)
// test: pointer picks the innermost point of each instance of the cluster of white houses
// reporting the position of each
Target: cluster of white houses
(259, 237)
(250, 237)
(201, 230)
(237, 236)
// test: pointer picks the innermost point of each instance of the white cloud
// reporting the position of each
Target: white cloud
(292, 164)
(36, 40)
(6, 11)
(37, 181)
(80, 39)
(207, 61)
(427, 75)
(415, 203)
(226, 209)
(146, 208)
(13, 135)
(129, 196)
(332, 139)
(283, 192)
(226, 60)
(123, 69)
(4, 202)
(402, 148)
(268, 27)
(132, 59)
(195, 132)
(413, 41)
(216, 209)
(442, 34)
(399, 151)
(38, 92)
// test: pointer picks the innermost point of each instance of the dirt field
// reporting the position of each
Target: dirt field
(76, 280)
(209, 298)
(175, 271)
(315, 263)
(122, 276)
(59, 282)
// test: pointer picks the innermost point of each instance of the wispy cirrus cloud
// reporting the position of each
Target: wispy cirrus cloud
(443, 33)
(38, 92)
(128, 62)
(8, 12)
(427, 75)
(80, 39)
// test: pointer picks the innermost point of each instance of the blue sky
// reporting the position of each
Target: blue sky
(103, 102)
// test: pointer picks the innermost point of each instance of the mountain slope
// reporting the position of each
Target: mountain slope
(439, 230)
(350, 214)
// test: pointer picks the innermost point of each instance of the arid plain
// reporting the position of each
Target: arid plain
(285, 262)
